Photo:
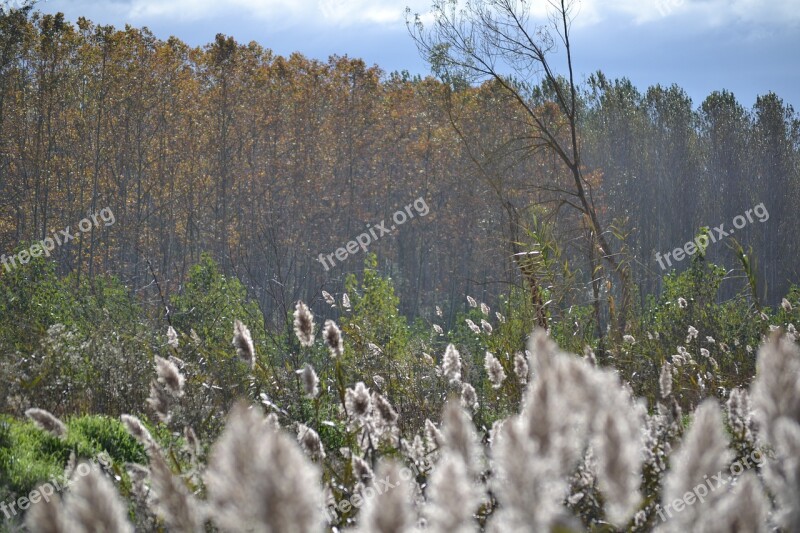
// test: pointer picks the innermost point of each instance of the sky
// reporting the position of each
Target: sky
(748, 47)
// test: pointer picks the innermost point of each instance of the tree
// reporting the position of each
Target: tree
(496, 40)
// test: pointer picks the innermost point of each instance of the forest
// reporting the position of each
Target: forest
(245, 292)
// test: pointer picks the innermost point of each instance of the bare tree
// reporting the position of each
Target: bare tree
(496, 40)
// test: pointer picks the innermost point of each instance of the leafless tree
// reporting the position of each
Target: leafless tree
(498, 41)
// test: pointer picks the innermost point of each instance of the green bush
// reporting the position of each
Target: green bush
(210, 302)
(30, 456)
(33, 297)
(105, 434)
(720, 355)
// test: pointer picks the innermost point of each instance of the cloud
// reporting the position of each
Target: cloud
(336, 13)
(348, 12)
(762, 12)
(355, 13)
(709, 13)
(188, 10)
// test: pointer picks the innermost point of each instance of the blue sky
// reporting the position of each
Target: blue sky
(746, 46)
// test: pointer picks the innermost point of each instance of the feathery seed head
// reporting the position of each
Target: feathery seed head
(469, 398)
(776, 389)
(703, 453)
(94, 505)
(453, 497)
(451, 364)
(358, 401)
(390, 511)
(169, 376)
(475, 329)
(494, 370)
(665, 380)
(172, 500)
(460, 436)
(47, 421)
(739, 414)
(160, 401)
(271, 422)
(521, 367)
(310, 442)
(328, 298)
(588, 354)
(310, 381)
(387, 416)
(243, 343)
(362, 470)
(172, 337)
(744, 508)
(47, 517)
(304, 324)
(333, 338)
(138, 431)
(433, 435)
(259, 480)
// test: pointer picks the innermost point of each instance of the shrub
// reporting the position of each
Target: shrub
(29, 455)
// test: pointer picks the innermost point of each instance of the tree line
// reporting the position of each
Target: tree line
(267, 161)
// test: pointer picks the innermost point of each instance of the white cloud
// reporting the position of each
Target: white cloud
(768, 13)
(347, 12)
(204, 9)
(354, 13)
(712, 13)
(335, 13)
